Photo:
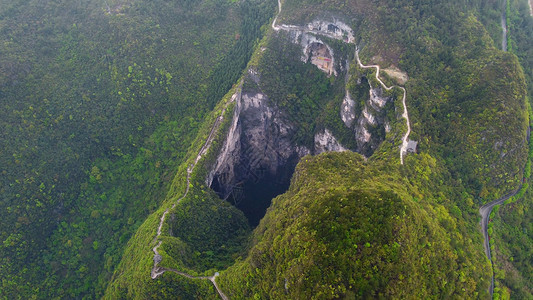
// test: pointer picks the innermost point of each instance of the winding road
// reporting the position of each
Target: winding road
(485, 211)
(157, 270)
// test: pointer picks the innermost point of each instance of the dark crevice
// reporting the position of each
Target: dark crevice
(254, 192)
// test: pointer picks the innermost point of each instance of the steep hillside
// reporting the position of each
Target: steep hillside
(100, 101)
(156, 150)
(345, 228)
(305, 92)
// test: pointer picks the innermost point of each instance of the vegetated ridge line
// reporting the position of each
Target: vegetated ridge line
(405, 114)
(486, 209)
(156, 270)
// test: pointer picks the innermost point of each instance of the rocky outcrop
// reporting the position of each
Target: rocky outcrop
(348, 110)
(372, 123)
(326, 142)
(318, 53)
(314, 50)
(335, 28)
(259, 144)
(260, 153)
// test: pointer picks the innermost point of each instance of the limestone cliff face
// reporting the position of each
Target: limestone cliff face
(371, 124)
(326, 142)
(348, 110)
(259, 144)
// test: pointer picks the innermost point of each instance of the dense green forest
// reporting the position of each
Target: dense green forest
(511, 232)
(345, 227)
(99, 106)
(106, 105)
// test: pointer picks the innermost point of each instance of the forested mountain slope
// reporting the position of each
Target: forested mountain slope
(175, 149)
(511, 232)
(469, 115)
(100, 101)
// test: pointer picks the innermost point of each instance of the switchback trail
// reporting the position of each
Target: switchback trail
(156, 270)
(405, 114)
(351, 40)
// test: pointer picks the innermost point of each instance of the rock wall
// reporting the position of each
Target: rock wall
(259, 144)
(326, 142)
(372, 124)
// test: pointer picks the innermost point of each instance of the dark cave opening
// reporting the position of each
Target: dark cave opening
(255, 189)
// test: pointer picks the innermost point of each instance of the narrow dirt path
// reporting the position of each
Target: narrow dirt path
(156, 270)
(351, 40)
(405, 114)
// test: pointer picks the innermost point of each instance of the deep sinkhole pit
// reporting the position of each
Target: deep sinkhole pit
(254, 186)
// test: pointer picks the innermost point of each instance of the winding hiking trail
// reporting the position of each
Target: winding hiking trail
(484, 211)
(351, 40)
(405, 114)
(156, 270)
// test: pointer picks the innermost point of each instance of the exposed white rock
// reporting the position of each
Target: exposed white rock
(348, 110)
(254, 75)
(230, 148)
(302, 151)
(259, 141)
(387, 127)
(326, 142)
(336, 29)
(362, 135)
(369, 118)
(319, 53)
(376, 98)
